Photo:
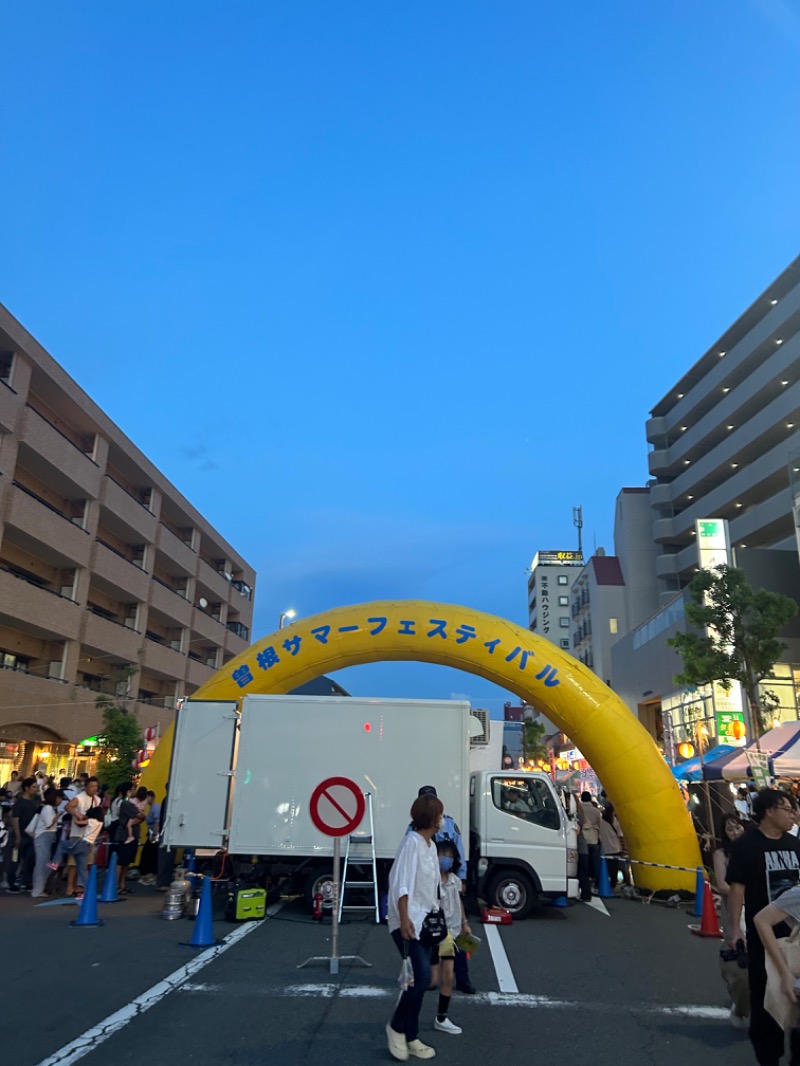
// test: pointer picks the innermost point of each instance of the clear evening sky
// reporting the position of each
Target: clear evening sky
(387, 288)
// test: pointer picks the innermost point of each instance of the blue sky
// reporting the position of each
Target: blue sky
(408, 276)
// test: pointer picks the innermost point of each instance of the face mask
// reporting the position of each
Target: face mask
(445, 863)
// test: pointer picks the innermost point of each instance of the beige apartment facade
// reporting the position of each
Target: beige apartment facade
(104, 567)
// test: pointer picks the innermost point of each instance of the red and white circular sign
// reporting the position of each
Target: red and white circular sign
(337, 806)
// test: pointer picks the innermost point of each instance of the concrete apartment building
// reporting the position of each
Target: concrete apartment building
(103, 565)
(725, 445)
(552, 575)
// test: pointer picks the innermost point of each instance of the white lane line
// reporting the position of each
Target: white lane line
(502, 967)
(98, 1034)
(486, 999)
(597, 905)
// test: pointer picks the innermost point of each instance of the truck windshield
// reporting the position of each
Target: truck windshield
(527, 798)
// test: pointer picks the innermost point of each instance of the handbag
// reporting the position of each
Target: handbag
(434, 925)
(786, 1014)
(33, 825)
(434, 929)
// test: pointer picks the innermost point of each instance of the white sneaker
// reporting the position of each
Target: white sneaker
(447, 1026)
(737, 1021)
(398, 1048)
(422, 1051)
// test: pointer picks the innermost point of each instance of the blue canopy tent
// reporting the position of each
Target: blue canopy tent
(692, 769)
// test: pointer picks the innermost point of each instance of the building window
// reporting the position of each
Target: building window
(563, 601)
(612, 625)
(564, 642)
(563, 579)
(563, 623)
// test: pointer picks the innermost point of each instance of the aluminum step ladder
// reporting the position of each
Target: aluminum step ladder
(360, 851)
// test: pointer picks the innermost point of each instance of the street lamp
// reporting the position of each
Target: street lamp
(290, 614)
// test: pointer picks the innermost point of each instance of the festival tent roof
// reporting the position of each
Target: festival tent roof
(692, 769)
(776, 742)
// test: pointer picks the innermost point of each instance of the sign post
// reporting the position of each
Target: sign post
(336, 808)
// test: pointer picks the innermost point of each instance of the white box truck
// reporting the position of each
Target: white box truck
(242, 778)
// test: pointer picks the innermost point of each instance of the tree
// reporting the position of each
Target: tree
(121, 738)
(744, 644)
(533, 745)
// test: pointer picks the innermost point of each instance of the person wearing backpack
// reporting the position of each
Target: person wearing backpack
(44, 839)
(25, 807)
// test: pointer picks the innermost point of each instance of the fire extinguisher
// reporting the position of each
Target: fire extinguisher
(317, 906)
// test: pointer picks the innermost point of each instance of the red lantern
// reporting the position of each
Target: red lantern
(738, 730)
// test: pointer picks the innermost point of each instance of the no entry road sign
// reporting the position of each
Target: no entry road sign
(337, 806)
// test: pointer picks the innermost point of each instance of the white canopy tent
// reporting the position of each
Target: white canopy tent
(782, 744)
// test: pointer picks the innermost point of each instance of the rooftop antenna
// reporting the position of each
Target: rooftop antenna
(577, 521)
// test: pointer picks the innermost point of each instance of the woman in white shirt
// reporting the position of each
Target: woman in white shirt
(413, 893)
(44, 840)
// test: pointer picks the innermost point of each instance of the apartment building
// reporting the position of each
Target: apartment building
(724, 438)
(724, 446)
(103, 566)
(552, 575)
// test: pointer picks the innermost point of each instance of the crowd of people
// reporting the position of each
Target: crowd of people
(50, 835)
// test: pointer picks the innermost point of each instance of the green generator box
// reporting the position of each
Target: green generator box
(246, 904)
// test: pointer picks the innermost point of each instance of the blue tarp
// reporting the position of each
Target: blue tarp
(692, 769)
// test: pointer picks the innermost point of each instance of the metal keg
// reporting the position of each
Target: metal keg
(173, 904)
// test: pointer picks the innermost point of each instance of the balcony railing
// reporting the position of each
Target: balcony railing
(48, 505)
(37, 582)
(79, 448)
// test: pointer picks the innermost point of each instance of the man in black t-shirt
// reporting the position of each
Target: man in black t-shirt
(762, 864)
(24, 809)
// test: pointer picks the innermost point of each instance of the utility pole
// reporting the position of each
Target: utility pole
(577, 521)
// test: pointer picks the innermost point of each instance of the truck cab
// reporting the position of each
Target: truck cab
(523, 847)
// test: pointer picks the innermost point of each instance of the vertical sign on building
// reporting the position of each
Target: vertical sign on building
(714, 549)
(545, 597)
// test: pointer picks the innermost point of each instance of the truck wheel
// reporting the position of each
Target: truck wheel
(320, 879)
(513, 891)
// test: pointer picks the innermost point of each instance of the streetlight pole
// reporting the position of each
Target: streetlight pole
(290, 614)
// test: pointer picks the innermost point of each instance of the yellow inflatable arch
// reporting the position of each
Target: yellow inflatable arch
(648, 801)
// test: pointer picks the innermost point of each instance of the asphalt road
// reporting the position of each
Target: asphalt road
(572, 987)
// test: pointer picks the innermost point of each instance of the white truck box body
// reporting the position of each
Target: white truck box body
(290, 744)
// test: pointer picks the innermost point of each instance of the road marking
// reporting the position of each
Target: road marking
(98, 1034)
(486, 999)
(502, 967)
(597, 905)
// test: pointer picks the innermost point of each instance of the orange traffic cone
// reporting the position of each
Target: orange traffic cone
(709, 925)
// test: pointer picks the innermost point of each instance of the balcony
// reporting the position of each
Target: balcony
(662, 497)
(38, 610)
(129, 510)
(214, 580)
(120, 572)
(10, 406)
(161, 660)
(112, 637)
(204, 625)
(19, 688)
(658, 462)
(198, 673)
(43, 523)
(175, 549)
(170, 603)
(663, 530)
(655, 429)
(59, 451)
(666, 566)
